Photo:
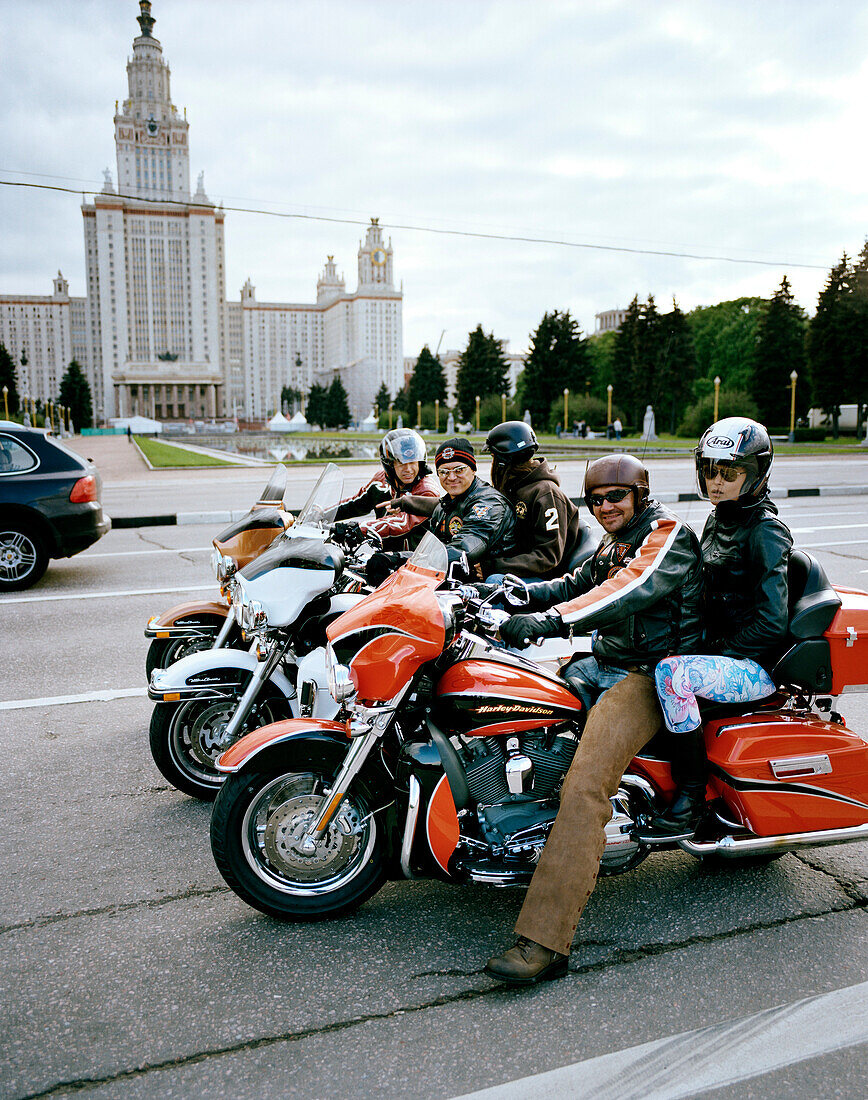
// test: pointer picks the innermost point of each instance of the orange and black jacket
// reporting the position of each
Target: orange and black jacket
(639, 593)
(377, 496)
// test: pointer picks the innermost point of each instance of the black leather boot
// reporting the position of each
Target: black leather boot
(690, 772)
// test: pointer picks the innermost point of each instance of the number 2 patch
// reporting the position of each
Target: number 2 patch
(551, 515)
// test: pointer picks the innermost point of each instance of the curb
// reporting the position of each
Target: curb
(182, 519)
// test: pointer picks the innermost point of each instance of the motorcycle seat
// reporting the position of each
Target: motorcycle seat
(806, 661)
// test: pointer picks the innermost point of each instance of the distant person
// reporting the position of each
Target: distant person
(617, 427)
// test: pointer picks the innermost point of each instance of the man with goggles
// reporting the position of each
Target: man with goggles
(638, 595)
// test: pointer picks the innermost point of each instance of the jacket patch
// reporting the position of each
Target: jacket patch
(479, 511)
(455, 525)
(520, 509)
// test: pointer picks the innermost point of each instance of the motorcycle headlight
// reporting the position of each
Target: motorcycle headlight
(341, 686)
(224, 567)
(452, 609)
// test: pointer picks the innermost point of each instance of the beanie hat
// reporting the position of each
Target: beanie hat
(458, 449)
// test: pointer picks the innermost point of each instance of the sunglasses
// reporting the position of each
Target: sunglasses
(614, 496)
(710, 470)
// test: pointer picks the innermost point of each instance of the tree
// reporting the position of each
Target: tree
(857, 372)
(337, 405)
(828, 339)
(558, 360)
(317, 405)
(676, 368)
(9, 379)
(75, 396)
(290, 398)
(780, 350)
(482, 370)
(626, 354)
(427, 382)
(383, 399)
(724, 338)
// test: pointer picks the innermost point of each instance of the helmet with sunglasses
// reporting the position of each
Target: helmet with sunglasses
(735, 443)
(508, 443)
(399, 446)
(623, 470)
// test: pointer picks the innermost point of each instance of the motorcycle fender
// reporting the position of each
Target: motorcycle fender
(344, 601)
(278, 733)
(170, 624)
(175, 681)
(441, 824)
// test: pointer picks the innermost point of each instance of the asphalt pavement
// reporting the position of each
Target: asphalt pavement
(128, 969)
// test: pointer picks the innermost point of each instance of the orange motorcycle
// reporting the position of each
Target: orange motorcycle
(450, 751)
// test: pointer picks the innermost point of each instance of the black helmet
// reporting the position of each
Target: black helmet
(736, 441)
(510, 442)
(618, 470)
(400, 445)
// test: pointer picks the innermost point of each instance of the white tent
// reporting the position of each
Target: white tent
(139, 425)
(369, 424)
(298, 423)
(278, 423)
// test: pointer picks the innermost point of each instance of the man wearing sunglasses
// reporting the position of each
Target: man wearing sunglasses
(638, 596)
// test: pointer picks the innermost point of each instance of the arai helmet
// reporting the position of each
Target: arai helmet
(735, 442)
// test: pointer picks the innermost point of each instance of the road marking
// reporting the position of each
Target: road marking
(841, 542)
(708, 1058)
(134, 553)
(89, 697)
(106, 595)
(827, 527)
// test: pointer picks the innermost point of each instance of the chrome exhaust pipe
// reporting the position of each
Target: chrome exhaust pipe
(410, 826)
(730, 847)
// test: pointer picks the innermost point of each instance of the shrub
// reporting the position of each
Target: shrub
(730, 403)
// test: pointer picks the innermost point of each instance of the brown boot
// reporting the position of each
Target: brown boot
(527, 963)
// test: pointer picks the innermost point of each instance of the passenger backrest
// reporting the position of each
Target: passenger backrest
(812, 600)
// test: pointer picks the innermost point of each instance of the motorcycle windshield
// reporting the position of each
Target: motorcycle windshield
(273, 492)
(322, 504)
(388, 635)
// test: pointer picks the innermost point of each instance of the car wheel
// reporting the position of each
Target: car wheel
(23, 557)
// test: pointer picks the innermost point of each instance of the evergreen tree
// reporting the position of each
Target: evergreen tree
(317, 405)
(828, 340)
(724, 337)
(383, 399)
(558, 360)
(9, 379)
(780, 350)
(676, 369)
(290, 398)
(75, 395)
(626, 355)
(857, 365)
(337, 405)
(427, 382)
(482, 371)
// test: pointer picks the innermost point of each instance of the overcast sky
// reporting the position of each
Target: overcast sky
(723, 128)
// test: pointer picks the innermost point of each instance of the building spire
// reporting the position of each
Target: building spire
(145, 20)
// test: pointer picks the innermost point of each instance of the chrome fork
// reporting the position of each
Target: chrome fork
(245, 704)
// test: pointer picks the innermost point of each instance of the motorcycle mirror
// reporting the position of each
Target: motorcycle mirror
(515, 591)
(459, 567)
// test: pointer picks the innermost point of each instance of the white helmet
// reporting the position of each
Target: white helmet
(735, 441)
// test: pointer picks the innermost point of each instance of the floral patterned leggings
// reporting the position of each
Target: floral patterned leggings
(721, 679)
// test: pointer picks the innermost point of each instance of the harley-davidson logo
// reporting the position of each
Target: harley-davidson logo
(510, 708)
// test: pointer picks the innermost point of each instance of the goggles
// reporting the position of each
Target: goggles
(711, 468)
(614, 496)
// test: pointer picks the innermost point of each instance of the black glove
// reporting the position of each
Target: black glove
(520, 630)
(381, 565)
(347, 534)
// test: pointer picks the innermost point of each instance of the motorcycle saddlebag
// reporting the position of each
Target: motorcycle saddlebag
(848, 642)
(781, 773)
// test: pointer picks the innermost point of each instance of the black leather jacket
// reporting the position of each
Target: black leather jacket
(480, 522)
(745, 550)
(640, 592)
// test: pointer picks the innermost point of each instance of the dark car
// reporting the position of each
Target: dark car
(49, 504)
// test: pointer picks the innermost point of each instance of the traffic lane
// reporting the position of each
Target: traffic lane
(492, 1036)
(358, 996)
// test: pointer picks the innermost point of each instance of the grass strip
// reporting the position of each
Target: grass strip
(168, 454)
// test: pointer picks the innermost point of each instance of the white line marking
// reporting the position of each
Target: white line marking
(104, 595)
(827, 527)
(841, 542)
(134, 553)
(89, 697)
(708, 1058)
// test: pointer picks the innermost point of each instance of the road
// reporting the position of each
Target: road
(128, 969)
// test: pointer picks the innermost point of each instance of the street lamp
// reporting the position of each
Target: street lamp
(793, 378)
(716, 396)
(609, 389)
(566, 410)
(477, 412)
(390, 416)
(503, 406)
(419, 414)
(436, 414)
(6, 401)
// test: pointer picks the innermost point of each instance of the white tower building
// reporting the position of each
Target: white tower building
(155, 261)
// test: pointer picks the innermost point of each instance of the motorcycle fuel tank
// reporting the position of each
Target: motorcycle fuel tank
(486, 697)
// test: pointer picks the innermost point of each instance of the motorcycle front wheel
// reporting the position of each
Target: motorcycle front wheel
(186, 739)
(163, 652)
(257, 829)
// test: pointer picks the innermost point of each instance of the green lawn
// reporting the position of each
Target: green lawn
(168, 454)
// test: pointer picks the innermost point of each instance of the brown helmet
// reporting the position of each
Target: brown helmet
(618, 469)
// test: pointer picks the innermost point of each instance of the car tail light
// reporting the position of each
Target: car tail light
(84, 490)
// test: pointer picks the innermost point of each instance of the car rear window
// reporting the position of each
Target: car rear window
(15, 458)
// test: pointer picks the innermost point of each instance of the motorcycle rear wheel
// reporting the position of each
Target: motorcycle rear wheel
(186, 739)
(256, 826)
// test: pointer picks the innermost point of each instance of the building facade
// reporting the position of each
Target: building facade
(155, 333)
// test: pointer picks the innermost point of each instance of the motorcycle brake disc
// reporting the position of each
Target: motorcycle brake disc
(286, 826)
